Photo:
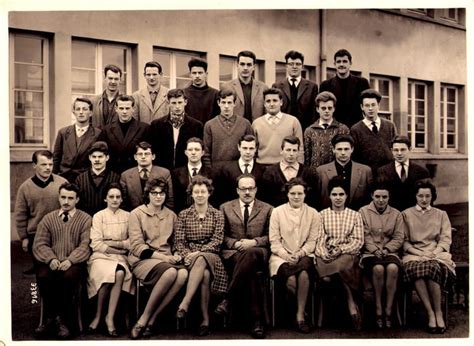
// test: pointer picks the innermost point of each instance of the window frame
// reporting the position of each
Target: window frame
(308, 72)
(411, 132)
(259, 72)
(444, 118)
(45, 90)
(378, 78)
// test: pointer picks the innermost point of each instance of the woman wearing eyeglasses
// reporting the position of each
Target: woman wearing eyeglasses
(151, 231)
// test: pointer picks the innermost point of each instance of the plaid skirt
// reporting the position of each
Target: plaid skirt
(433, 270)
(218, 273)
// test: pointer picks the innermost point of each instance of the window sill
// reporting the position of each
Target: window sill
(440, 156)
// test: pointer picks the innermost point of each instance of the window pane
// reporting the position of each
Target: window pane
(384, 87)
(451, 141)
(419, 91)
(420, 124)
(83, 54)
(409, 90)
(442, 126)
(330, 73)
(441, 140)
(384, 104)
(420, 107)
(114, 55)
(420, 140)
(164, 59)
(451, 125)
(165, 81)
(28, 49)
(182, 70)
(83, 81)
(409, 108)
(451, 95)
(28, 130)
(451, 110)
(28, 104)
(28, 77)
(280, 71)
(226, 66)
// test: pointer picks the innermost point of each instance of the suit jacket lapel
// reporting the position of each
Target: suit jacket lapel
(286, 88)
(87, 140)
(238, 90)
(255, 211)
(132, 131)
(302, 87)
(355, 178)
(70, 139)
(135, 181)
(160, 99)
(255, 90)
(117, 132)
(145, 95)
(236, 208)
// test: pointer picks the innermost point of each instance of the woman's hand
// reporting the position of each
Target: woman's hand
(378, 253)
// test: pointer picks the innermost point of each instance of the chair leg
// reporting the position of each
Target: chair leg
(272, 294)
(41, 311)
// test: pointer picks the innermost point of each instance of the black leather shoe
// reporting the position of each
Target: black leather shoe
(258, 332)
(203, 330)
(302, 327)
(223, 308)
(137, 331)
(440, 330)
(181, 314)
(63, 331)
(46, 329)
(356, 321)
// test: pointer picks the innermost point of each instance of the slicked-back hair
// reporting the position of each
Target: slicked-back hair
(125, 98)
(69, 187)
(225, 92)
(290, 139)
(197, 62)
(401, 139)
(342, 53)
(248, 138)
(82, 99)
(342, 138)
(248, 54)
(46, 153)
(380, 184)
(325, 96)
(143, 145)
(426, 184)
(176, 93)
(153, 184)
(370, 94)
(293, 54)
(273, 91)
(200, 180)
(113, 68)
(295, 182)
(195, 140)
(111, 186)
(153, 64)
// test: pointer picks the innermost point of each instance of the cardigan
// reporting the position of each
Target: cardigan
(270, 136)
(56, 239)
(292, 231)
(202, 102)
(34, 202)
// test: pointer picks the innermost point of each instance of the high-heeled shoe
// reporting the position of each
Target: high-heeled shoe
(181, 314)
(440, 330)
(112, 333)
(388, 321)
(137, 331)
(379, 321)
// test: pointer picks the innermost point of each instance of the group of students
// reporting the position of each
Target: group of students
(177, 203)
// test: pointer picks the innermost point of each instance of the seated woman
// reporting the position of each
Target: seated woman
(426, 258)
(199, 235)
(292, 234)
(337, 247)
(108, 269)
(151, 230)
(383, 238)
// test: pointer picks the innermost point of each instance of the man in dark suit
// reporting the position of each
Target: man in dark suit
(249, 101)
(357, 177)
(245, 251)
(226, 173)
(347, 88)
(298, 93)
(182, 175)
(122, 136)
(134, 179)
(168, 135)
(277, 175)
(402, 174)
(70, 155)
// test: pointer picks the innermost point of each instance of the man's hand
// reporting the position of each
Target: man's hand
(65, 265)
(244, 244)
(24, 244)
(54, 264)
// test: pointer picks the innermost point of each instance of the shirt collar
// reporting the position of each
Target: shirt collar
(85, 128)
(98, 172)
(420, 209)
(373, 208)
(284, 165)
(320, 122)
(42, 183)
(368, 122)
(242, 165)
(406, 164)
(279, 115)
(70, 212)
(148, 168)
(190, 168)
(298, 80)
(150, 89)
(242, 204)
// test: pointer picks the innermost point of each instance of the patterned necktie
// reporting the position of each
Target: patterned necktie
(246, 169)
(65, 216)
(246, 216)
(403, 173)
(374, 127)
(144, 174)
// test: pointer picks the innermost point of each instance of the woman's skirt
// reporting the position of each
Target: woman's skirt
(432, 269)
(346, 266)
(369, 262)
(305, 263)
(218, 273)
(156, 272)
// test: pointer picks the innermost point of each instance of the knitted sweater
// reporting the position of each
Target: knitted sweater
(221, 143)
(270, 137)
(63, 240)
(91, 199)
(202, 103)
(34, 202)
(373, 149)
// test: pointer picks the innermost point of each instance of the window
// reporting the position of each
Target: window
(175, 66)
(29, 97)
(449, 118)
(417, 114)
(384, 86)
(308, 72)
(228, 69)
(88, 61)
(450, 14)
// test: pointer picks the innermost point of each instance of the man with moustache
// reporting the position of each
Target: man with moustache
(202, 99)
(36, 197)
(150, 102)
(61, 248)
(103, 105)
(73, 142)
(245, 251)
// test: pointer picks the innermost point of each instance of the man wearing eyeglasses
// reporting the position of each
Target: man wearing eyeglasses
(298, 93)
(134, 179)
(245, 252)
(249, 101)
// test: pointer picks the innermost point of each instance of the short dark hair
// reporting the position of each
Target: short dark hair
(143, 145)
(37, 153)
(426, 184)
(273, 91)
(153, 64)
(401, 139)
(111, 186)
(82, 99)
(380, 184)
(195, 140)
(245, 175)
(290, 139)
(225, 92)
(175, 93)
(113, 68)
(100, 146)
(200, 180)
(293, 54)
(337, 181)
(152, 184)
(325, 96)
(341, 53)
(248, 54)
(370, 94)
(197, 62)
(342, 138)
(69, 187)
(248, 138)
(294, 182)
(125, 98)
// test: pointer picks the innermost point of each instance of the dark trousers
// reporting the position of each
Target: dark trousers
(58, 287)
(244, 282)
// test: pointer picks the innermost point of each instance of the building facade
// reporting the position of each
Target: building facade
(416, 58)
